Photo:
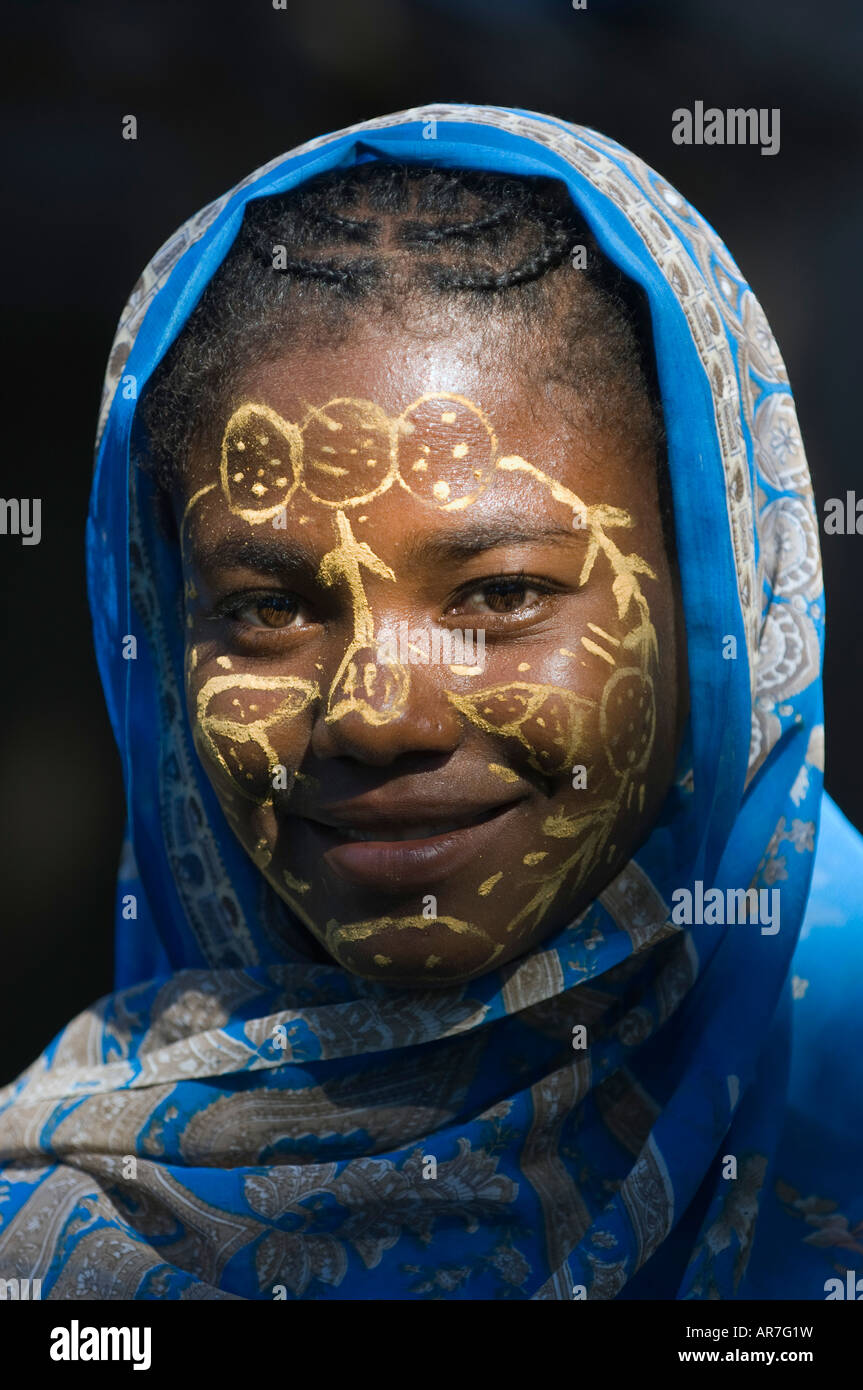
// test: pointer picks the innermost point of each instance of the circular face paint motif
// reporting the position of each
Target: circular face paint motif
(348, 452)
(628, 721)
(260, 463)
(446, 450)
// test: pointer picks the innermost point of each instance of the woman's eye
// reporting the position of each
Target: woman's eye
(270, 610)
(504, 596)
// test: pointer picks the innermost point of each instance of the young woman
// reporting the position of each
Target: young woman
(455, 575)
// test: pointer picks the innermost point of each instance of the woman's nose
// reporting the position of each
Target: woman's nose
(378, 709)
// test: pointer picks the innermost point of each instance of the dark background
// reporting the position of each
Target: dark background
(220, 88)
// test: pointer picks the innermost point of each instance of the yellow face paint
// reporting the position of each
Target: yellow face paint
(506, 774)
(261, 463)
(547, 721)
(296, 885)
(342, 939)
(234, 734)
(363, 685)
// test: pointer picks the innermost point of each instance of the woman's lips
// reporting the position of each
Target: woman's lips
(401, 864)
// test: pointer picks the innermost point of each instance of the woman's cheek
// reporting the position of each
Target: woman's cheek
(250, 731)
(544, 726)
(572, 739)
(595, 749)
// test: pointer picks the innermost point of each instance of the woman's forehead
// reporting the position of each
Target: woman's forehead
(397, 416)
(394, 359)
(436, 477)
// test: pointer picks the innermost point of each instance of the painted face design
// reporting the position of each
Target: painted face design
(329, 749)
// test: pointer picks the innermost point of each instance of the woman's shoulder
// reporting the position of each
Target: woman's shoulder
(832, 930)
(827, 1054)
(827, 969)
(811, 1226)
(827, 1051)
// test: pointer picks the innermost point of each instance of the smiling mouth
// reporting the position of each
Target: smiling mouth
(420, 830)
(397, 856)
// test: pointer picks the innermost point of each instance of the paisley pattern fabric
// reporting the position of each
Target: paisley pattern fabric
(240, 1121)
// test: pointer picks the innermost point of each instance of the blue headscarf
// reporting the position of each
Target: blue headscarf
(240, 1121)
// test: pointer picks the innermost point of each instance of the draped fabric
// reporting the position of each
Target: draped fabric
(239, 1120)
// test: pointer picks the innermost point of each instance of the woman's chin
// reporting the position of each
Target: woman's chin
(412, 951)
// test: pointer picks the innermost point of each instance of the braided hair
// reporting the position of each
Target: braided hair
(378, 239)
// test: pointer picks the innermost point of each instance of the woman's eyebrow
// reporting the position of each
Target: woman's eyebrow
(274, 557)
(486, 534)
(289, 554)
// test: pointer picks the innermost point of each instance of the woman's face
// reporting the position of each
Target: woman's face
(433, 652)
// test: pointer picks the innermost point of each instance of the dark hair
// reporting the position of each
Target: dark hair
(376, 238)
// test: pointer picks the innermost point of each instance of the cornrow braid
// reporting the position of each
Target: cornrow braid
(323, 222)
(353, 278)
(430, 234)
(494, 243)
(551, 254)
